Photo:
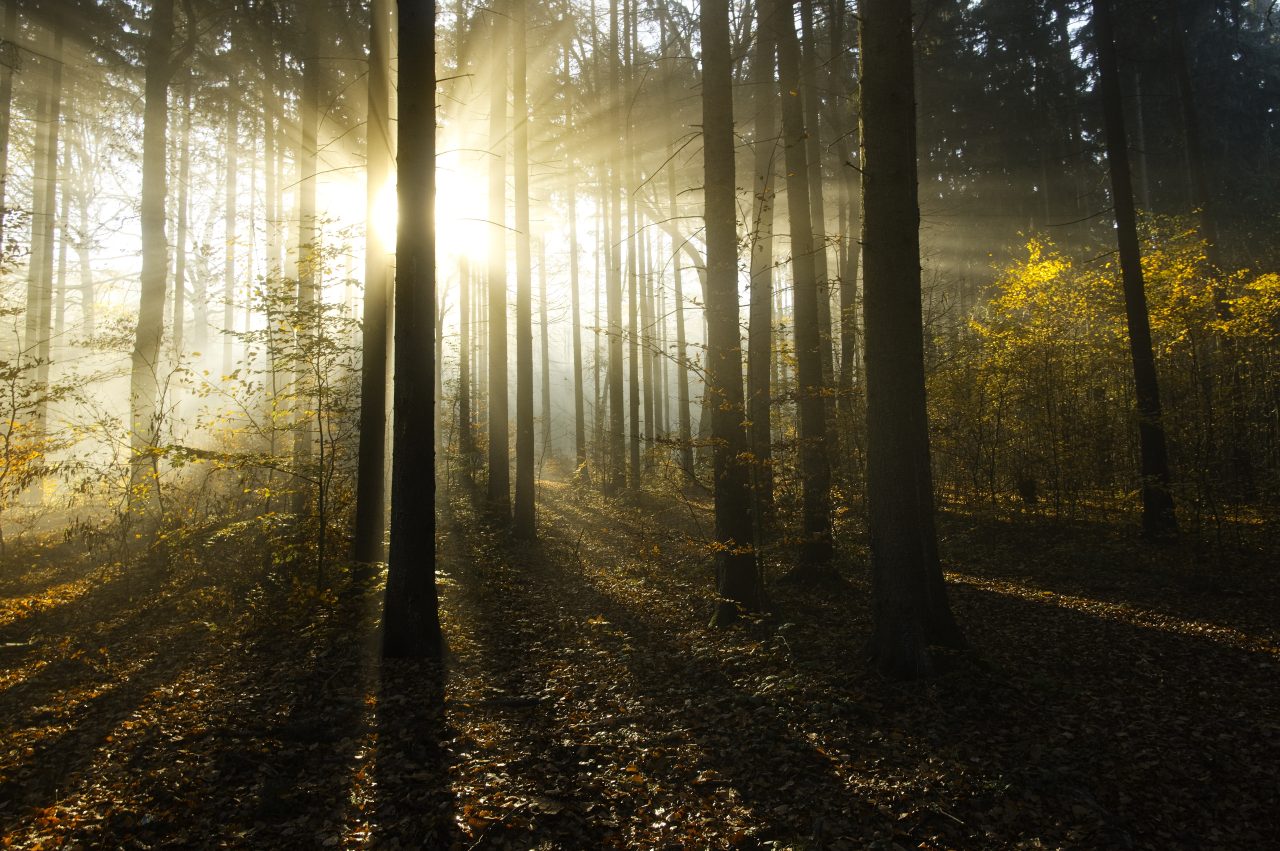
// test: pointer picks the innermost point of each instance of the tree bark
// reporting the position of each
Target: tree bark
(525, 445)
(760, 325)
(814, 557)
(371, 469)
(579, 408)
(232, 144)
(499, 488)
(145, 360)
(908, 595)
(180, 250)
(411, 619)
(737, 577)
(1158, 516)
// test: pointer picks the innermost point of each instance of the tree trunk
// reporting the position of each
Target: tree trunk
(544, 331)
(411, 619)
(499, 488)
(760, 327)
(737, 577)
(309, 259)
(232, 144)
(579, 414)
(617, 473)
(525, 445)
(83, 195)
(1157, 502)
(145, 361)
(180, 251)
(814, 557)
(811, 98)
(371, 471)
(6, 113)
(909, 599)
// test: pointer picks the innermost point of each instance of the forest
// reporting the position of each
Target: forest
(741, 424)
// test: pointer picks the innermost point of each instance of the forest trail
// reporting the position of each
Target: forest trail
(588, 706)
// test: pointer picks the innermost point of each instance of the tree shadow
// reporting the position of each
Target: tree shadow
(663, 742)
(412, 804)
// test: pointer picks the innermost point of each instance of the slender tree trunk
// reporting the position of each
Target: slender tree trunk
(232, 144)
(617, 472)
(309, 257)
(684, 422)
(632, 239)
(1157, 501)
(64, 213)
(811, 99)
(646, 338)
(814, 556)
(466, 438)
(909, 598)
(525, 447)
(544, 330)
(411, 620)
(760, 325)
(684, 416)
(737, 577)
(499, 441)
(371, 475)
(579, 414)
(6, 115)
(850, 248)
(145, 361)
(83, 195)
(180, 252)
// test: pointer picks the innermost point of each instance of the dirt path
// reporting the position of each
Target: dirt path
(587, 706)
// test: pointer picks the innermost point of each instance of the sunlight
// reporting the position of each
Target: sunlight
(461, 209)
(386, 215)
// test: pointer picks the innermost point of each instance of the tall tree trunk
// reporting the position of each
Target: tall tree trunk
(6, 112)
(684, 418)
(525, 449)
(633, 227)
(232, 145)
(814, 556)
(44, 211)
(64, 213)
(309, 257)
(579, 407)
(411, 619)
(850, 248)
(145, 361)
(544, 331)
(371, 471)
(737, 577)
(499, 442)
(180, 251)
(811, 99)
(617, 467)
(760, 324)
(1157, 501)
(466, 421)
(909, 598)
(83, 196)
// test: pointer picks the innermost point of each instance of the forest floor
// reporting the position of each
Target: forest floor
(1118, 696)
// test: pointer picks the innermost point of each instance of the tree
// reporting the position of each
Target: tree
(370, 483)
(525, 448)
(1158, 516)
(737, 578)
(499, 488)
(145, 363)
(411, 620)
(909, 600)
(760, 331)
(814, 557)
